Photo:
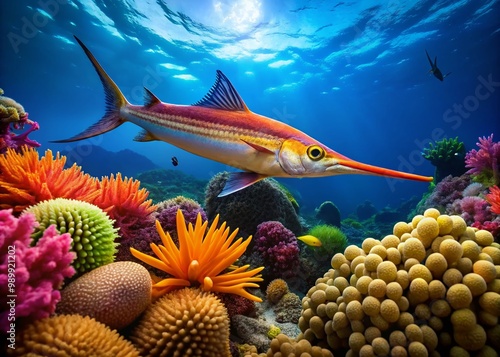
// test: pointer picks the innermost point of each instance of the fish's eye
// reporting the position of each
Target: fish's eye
(315, 152)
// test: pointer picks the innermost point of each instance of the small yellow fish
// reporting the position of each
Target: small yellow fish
(310, 240)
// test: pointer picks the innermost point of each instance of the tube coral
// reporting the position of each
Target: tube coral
(26, 180)
(123, 201)
(201, 257)
(32, 273)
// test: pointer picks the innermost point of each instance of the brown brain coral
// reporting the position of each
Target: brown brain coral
(71, 335)
(114, 294)
(186, 322)
(447, 296)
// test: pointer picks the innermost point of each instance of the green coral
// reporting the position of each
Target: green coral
(443, 150)
(273, 331)
(333, 240)
(92, 232)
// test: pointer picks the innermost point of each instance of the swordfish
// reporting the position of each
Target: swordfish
(220, 127)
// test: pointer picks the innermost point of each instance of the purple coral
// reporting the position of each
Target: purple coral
(278, 247)
(487, 158)
(30, 276)
(447, 191)
(472, 209)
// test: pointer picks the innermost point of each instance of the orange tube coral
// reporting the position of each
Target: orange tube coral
(26, 180)
(494, 199)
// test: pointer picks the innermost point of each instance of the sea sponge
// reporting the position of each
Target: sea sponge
(70, 335)
(92, 232)
(185, 322)
(114, 294)
(275, 290)
(246, 209)
(459, 296)
(27, 180)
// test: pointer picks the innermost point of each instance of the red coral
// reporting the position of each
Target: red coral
(31, 276)
(123, 201)
(26, 180)
(237, 305)
(494, 199)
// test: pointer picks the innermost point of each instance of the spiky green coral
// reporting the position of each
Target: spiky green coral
(333, 240)
(443, 151)
(92, 232)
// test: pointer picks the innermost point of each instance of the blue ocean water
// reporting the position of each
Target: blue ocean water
(352, 74)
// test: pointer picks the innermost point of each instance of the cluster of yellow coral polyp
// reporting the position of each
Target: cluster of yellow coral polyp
(431, 288)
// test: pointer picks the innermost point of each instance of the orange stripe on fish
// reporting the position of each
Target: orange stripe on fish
(220, 127)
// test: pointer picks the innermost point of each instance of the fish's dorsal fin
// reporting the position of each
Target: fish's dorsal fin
(435, 62)
(150, 99)
(223, 96)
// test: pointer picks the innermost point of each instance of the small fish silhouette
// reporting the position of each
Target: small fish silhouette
(434, 68)
(175, 162)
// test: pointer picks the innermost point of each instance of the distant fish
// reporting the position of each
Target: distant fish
(310, 240)
(434, 69)
(220, 127)
(175, 162)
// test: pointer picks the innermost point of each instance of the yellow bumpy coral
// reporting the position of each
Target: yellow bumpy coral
(431, 286)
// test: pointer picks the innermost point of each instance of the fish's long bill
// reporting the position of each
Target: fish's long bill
(355, 167)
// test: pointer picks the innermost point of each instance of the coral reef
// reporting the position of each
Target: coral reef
(428, 287)
(114, 294)
(70, 335)
(13, 117)
(91, 230)
(288, 308)
(26, 180)
(166, 184)
(39, 270)
(282, 345)
(201, 257)
(124, 202)
(252, 331)
(186, 322)
(328, 213)
(365, 210)
(446, 192)
(278, 247)
(246, 209)
(447, 155)
(483, 164)
(237, 305)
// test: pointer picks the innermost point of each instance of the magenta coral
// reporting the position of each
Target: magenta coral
(278, 247)
(30, 276)
(485, 160)
(472, 209)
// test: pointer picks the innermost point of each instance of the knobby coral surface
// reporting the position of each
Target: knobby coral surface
(32, 273)
(200, 259)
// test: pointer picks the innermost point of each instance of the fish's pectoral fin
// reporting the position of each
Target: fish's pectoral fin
(150, 99)
(145, 136)
(223, 96)
(258, 147)
(446, 75)
(238, 181)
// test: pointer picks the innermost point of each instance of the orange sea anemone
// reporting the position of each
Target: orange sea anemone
(123, 201)
(200, 259)
(26, 180)
(494, 199)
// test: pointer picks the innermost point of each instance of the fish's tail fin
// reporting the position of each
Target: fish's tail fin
(114, 102)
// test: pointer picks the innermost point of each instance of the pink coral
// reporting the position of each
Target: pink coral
(486, 159)
(30, 276)
(472, 209)
(278, 247)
